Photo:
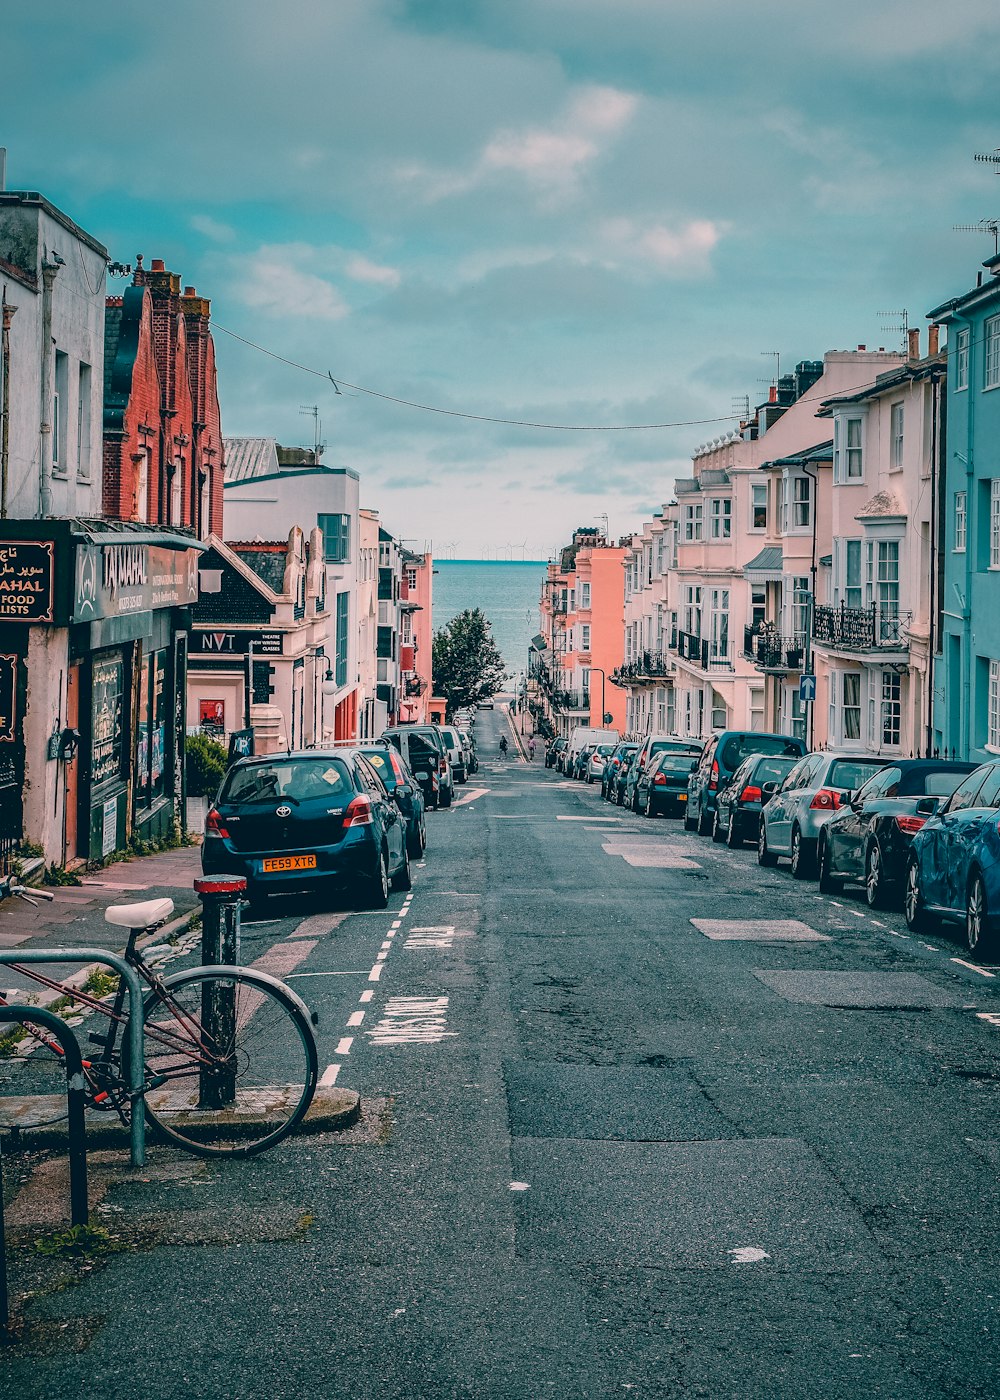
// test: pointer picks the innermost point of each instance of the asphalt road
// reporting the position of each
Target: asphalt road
(606, 1150)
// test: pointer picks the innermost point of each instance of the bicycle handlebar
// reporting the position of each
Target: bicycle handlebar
(8, 889)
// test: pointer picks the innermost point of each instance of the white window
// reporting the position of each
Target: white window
(995, 523)
(798, 608)
(896, 416)
(801, 502)
(991, 335)
(882, 585)
(584, 595)
(142, 486)
(756, 710)
(962, 359)
(993, 709)
(889, 720)
(852, 704)
(720, 711)
(60, 407)
(719, 626)
(722, 518)
(585, 636)
(848, 461)
(693, 522)
(83, 424)
(961, 516)
(411, 578)
(852, 573)
(692, 610)
(758, 511)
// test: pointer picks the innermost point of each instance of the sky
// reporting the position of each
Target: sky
(572, 212)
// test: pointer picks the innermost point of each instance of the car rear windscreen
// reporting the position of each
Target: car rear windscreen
(772, 770)
(937, 783)
(676, 763)
(298, 781)
(381, 762)
(735, 749)
(850, 773)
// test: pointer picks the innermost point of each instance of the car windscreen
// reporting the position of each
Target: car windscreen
(939, 782)
(772, 770)
(421, 748)
(296, 780)
(382, 763)
(851, 773)
(450, 736)
(736, 748)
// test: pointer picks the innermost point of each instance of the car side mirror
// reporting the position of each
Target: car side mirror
(928, 806)
(694, 766)
(768, 789)
(403, 790)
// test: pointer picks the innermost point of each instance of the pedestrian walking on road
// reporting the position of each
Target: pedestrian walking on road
(503, 745)
(531, 748)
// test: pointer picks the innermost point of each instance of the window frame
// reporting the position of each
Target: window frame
(693, 522)
(995, 523)
(961, 519)
(991, 353)
(962, 341)
(993, 706)
(897, 434)
(721, 518)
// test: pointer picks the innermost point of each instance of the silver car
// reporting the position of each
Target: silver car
(807, 798)
(452, 741)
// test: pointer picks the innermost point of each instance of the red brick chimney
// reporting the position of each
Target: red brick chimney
(933, 339)
(913, 343)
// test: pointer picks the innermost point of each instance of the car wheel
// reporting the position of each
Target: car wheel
(446, 796)
(916, 916)
(689, 821)
(717, 835)
(978, 930)
(875, 877)
(764, 856)
(704, 823)
(589, 780)
(634, 802)
(828, 883)
(802, 857)
(403, 880)
(650, 811)
(733, 839)
(378, 890)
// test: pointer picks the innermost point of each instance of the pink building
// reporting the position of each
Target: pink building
(415, 638)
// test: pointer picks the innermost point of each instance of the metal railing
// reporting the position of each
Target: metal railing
(649, 665)
(876, 628)
(770, 651)
(704, 652)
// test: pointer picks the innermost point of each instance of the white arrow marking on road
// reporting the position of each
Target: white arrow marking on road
(470, 796)
(748, 1254)
(991, 1017)
(411, 1020)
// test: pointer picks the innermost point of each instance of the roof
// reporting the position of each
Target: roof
(247, 457)
(769, 562)
(267, 560)
(885, 382)
(987, 292)
(822, 452)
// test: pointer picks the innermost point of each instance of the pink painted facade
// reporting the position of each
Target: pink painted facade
(415, 638)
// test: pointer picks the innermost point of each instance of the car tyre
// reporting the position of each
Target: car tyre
(689, 821)
(764, 856)
(875, 890)
(378, 891)
(828, 884)
(650, 809)
(979, 931)
(802, 856)
(417, 843)
(704, 823)
(733, 839)
(403, 878)
(917, 918)
(717, 835)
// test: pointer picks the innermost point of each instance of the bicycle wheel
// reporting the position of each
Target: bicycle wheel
(242, 1090)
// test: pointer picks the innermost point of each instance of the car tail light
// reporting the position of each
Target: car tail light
(713, 777)
(750, 794)
(910, 824)
(826, 800)
(359, 812)
(659, 779)
(214, 824)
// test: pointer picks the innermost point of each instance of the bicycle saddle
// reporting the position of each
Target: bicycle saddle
(152, 911)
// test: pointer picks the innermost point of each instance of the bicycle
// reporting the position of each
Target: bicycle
(232, 1091)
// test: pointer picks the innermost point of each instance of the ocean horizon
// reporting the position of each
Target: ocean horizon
(507, 591)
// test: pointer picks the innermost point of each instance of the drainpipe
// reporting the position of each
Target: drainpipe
(8, 316)
(49, 270)
(936, 592)
(807, 653)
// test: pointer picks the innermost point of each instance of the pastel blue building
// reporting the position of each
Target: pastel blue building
(967, 682)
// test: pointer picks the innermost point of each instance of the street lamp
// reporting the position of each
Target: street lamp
(604, 713)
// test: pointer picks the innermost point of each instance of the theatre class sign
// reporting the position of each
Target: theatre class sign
(27, 569)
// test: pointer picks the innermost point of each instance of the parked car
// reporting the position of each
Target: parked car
(580, 761)
(953, 866)
(805, 800)
(662, 786)
(648, 749)
(308, 819)
(452, 741)
(739, 803)
(469, 749)
(598, 758)
(616, 793)
(718, 761)
(584, 736)
(403, 787)
(554, 751)
(485, 704)
(423, 753)
(869, 838)
(612, 766)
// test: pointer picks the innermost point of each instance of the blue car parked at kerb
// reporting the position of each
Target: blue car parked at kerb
(953, 869)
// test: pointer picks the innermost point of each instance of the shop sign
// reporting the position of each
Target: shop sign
(236, 643)
(8, 698)
(109, 826)
(113, 580)
(108, 685)
(26, 580)
(240, 744)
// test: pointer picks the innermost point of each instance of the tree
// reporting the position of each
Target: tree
(467, 663)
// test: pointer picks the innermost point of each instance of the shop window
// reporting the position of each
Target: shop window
(107, 710)
(151, 733)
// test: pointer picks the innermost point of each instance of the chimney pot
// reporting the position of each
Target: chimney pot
(157, 265)
(862, 347)
(773, 394)
(933, 341)
(190, 292)
(913, 339)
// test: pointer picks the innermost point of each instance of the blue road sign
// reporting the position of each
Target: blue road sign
(807, 688)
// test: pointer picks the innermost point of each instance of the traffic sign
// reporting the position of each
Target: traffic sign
(807, 688)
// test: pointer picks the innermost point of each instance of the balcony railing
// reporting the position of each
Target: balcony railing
(704, 652)
(648, 666)
(571, 700)
(862, 629)
(769, 651)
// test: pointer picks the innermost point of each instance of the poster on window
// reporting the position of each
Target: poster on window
(212, 714)
(108, 685)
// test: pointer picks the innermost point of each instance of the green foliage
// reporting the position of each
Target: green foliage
(467, 663)
(100, 982)
(58, 875)
(30, 850)
(78, 1242)
(206, 765)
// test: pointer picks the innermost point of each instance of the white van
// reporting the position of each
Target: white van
(583, 735)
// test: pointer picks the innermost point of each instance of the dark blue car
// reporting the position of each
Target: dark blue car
(953, 870)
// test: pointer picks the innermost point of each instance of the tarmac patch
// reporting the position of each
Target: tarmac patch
(898, 991)
(759, 930)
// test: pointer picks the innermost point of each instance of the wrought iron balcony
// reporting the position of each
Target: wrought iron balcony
(862, 629)
(647, 666)
(704, 652)
(571, 700)
(769, 651)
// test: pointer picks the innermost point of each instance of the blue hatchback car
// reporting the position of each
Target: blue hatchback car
(953, 869)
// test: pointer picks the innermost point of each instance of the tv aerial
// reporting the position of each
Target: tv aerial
(898, 321)
(991, 226)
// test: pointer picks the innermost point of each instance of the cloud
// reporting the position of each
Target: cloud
(212, 229)
(273, 281)
(686, 249)
(362, 269)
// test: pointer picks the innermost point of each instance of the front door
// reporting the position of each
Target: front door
(71, 769)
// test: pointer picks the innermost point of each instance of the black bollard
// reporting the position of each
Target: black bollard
(221, 900)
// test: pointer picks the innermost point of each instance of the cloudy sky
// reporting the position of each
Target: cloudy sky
(555, 211)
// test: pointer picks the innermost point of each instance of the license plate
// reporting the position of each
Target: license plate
(275, 863)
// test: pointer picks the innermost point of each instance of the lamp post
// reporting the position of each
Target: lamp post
(327, 687)
(601, 674)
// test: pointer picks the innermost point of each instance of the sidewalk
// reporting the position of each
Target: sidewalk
(75, 916)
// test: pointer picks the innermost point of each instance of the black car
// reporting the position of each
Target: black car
(404, 788)
(619, 783)
(553, 751)
(312, 819)
(423, 751)
(662, 785)
(612, 766)
(869, 837)
(740, 802)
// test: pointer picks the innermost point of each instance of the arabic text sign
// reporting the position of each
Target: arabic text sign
(8, 698)
(26, 575)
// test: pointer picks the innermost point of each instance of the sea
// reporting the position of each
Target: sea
(507, 592)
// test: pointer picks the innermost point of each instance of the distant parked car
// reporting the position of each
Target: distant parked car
(648, 749)
(718, 761)
(612, 766)
(953, 867)
(869, 838)
(404, 788)
(486, 704)
(617, 788)
(805, 800)
(424, 753)
(553, 752)
(309, 819)
(662, 786)
(598, 758)
(469, 749)
(580, 762)
(455, 750)
(739, 803)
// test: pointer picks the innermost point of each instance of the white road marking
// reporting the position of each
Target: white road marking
(857, 913)
(355, 1018)
(929, 946)
(520, 1186)
(344, 1045)
(387, 944)
(748, 1254)
(589, 819)
(292, 976)
(991, 1017)
(329, 1076)
(878, 923)
(411, 1020)
(381, 957)
(395, 925)
(375, 973)
(835, 904)
(904, 936)
(282, 958)
(317, 925)
(433, 936)
(366, 995)
(973, 968)
(470, 796)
